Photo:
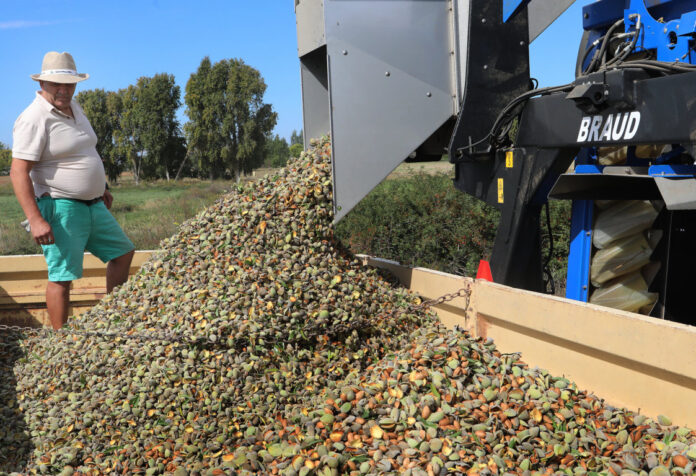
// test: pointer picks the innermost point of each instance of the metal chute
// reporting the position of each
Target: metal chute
(381, 77)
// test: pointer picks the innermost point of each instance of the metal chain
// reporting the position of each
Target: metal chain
(38, 332)
(464, 292)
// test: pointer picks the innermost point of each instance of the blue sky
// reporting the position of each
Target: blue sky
(118, 41)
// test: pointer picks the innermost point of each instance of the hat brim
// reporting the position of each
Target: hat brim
(60, 78)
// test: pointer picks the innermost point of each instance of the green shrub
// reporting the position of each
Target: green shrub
(296, 150)
(5, 161)
(424, 221)
(560, 229)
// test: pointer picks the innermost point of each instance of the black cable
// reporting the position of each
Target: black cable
(688, 51)
(498, 134)
(657, 66)
(629, 48)
(579, 71)
(601, 53)
(503, 123)
(549, 281)
(619, 62)
(506, 116)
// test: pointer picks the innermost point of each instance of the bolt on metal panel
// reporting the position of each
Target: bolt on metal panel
(390, 85)
(309, 16)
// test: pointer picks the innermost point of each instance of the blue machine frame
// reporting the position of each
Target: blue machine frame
(672, 38)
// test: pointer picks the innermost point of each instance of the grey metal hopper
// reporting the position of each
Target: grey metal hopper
(385, 78)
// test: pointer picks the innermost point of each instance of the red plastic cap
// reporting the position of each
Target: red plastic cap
(484, 271)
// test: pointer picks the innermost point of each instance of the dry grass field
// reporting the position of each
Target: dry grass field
(152, 211)
(147, 212)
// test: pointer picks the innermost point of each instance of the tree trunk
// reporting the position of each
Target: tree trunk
(137, 166)
(135, 172)
(181, 167)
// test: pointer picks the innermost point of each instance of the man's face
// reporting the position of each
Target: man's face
(58, 94)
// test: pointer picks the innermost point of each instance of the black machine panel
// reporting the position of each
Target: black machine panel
(497, 72)
(674, 281)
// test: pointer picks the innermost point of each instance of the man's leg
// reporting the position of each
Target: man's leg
(117, 270)
(57, 301)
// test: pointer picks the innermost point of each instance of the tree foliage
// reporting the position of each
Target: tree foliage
(157, 102)
(149, 136)
(409, 220)
(296, 150)
(5, 159)
(229, 122)
(277, 151)
(96, 104)
(127, 136)
(201, 130)
(229, 132)
(296, 137)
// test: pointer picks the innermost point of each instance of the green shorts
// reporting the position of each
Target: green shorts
(78, 227)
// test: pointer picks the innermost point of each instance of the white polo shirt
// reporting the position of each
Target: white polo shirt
(64, 149)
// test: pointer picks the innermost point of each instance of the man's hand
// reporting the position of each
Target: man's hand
(108, 199)
(41, 231)
(24, 190)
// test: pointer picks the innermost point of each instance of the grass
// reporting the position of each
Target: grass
(148, 212)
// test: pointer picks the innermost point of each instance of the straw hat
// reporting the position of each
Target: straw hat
(59, 68)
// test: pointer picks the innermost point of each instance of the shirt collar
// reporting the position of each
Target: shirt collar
(50, 107)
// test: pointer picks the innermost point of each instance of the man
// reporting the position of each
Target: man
(59, 180)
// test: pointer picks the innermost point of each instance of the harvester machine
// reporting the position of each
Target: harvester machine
(395, 80)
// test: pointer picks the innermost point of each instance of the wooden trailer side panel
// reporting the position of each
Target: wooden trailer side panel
(633, 361)
(23, 287)
(641, 363)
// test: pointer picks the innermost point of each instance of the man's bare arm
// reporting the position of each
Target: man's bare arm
(24, 191)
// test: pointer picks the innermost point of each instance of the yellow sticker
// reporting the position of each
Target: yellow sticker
(508, 159)
(500, 191)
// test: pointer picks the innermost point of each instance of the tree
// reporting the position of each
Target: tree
(5, 159)
(296, 137)
(176, 153)
(95, 103)
(296, 150)
(277, 151)
(157, 102)
(201, 131)
(127, 136)
(229, 122)
(149, 136)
